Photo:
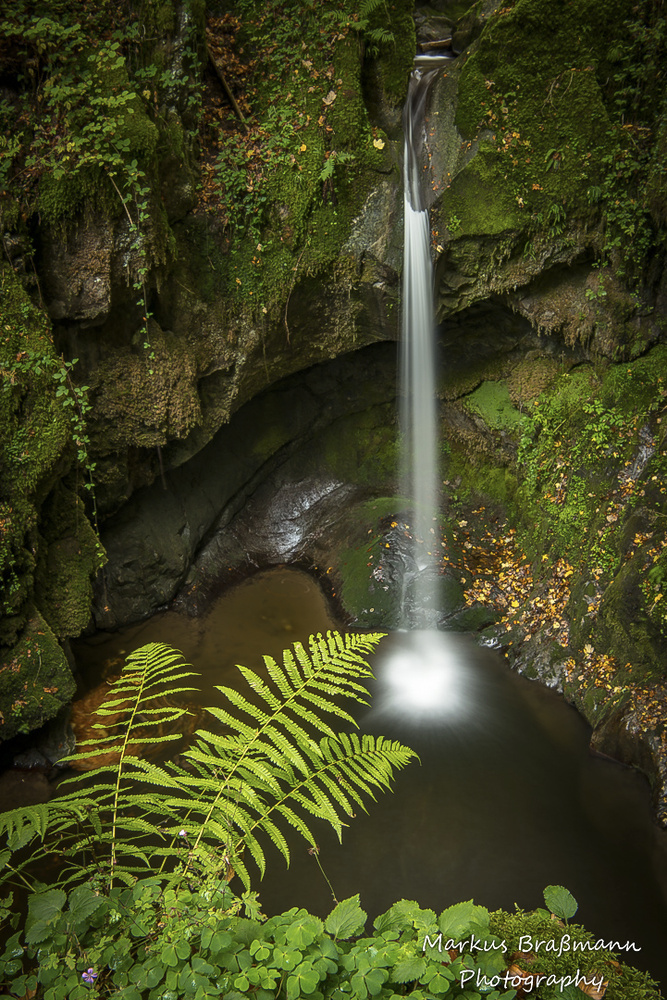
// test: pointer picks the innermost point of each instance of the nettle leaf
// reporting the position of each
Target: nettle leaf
(401, 915)
(83, 902)
(44, 910)
(408, 969)
(560, 901)
(46, 905)
(462, 919)
(304, 931)
(347, 919)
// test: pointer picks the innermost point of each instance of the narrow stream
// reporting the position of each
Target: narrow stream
(507, 799)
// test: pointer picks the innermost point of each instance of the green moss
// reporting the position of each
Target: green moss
(34, 436)
(530, 378)
(492, 402)
(48, 550)
(481, 479)
(624, 627)
(622, 981)
(69, 555)
(361, 595)
(394, 61)
(35, 679)
(480, 198)
(542, 115)
(288, 219)
(158, 16)
(61, 200)
(142, 408)
(593, 469)
(363, 447)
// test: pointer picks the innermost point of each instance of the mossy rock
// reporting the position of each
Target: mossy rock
(143, 401)
(35, 444)
(363, 448)
(376, 574)
(491, 401)
(624, 629)
(36, 680)
(70, 555)
(530, 378)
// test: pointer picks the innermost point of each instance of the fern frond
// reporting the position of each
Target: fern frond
(330, 670)
(367, 763)
(277, 765)
(270, 768)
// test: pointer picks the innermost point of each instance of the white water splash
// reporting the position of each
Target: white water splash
(423, 678)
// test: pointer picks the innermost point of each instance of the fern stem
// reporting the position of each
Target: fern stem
(16, 872)
(116, 796)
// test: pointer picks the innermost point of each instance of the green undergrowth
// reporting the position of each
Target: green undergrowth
(144, 943)
(586, 493)
(492, 402)
(42, 433)
(593, 445)
(594, 466)
(100, 81)
(291, 186)
(151, 897)
(98, 117)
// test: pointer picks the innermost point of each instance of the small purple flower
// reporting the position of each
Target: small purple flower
(89, 976)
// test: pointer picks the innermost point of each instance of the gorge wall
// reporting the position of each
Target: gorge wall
(199, 315)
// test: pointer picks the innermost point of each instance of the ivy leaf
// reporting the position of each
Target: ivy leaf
(346, 919)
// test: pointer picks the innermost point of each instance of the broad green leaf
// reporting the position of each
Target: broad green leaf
(347, 919)
(83, 902)
(462, 919)
(560, 901)
(45, 906)
(408, 969)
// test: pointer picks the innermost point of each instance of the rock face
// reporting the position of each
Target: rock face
(310, 440)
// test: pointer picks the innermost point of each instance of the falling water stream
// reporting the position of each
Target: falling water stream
(417, 369)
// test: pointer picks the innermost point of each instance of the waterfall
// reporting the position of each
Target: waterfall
(417, 365)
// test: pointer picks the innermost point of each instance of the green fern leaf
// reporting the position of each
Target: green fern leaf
(278, 766)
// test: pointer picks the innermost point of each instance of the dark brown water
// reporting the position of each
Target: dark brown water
(507, 798)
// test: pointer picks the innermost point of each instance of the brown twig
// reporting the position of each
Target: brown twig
(225, 87)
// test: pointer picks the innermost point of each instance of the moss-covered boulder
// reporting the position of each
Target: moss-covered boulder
(538, 186)
(48, 550)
